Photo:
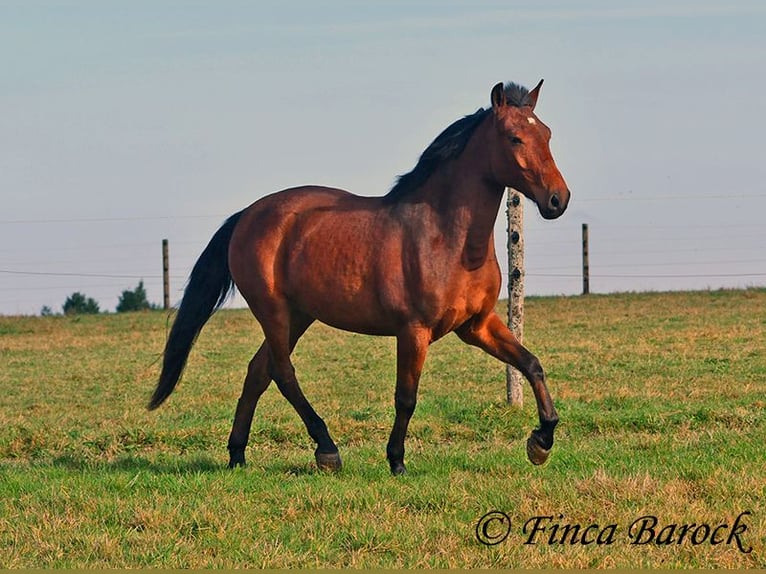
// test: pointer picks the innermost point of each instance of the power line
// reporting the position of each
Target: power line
(624, 252)
(108, 219)
(672, 197)
(662, 264)
(65, 274)
(90, 246)
(680, 227)
(652, 276)
(89, 286)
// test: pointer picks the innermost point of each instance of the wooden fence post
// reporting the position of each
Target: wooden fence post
(165, 276)
(585, 264)
(515, 212)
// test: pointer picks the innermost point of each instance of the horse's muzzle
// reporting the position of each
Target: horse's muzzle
(557, 204)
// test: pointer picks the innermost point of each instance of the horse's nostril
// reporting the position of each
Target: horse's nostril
(554, 201)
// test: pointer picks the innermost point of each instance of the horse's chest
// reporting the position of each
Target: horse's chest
(460, 300)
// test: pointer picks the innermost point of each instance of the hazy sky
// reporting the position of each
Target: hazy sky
(124, 123)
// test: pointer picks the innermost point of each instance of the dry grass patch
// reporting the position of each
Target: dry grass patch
(661, 398)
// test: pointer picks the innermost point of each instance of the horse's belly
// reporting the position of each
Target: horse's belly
(345, 305)
(338, 281)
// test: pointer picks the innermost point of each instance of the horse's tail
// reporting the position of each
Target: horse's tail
(209, 285)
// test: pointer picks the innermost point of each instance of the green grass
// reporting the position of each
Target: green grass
(662, 399)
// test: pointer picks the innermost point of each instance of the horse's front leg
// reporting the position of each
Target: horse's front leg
(411, 350)
(489, 333)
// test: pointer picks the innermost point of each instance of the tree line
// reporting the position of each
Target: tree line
(79, 304)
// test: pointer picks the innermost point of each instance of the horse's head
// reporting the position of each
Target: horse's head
(521, 157)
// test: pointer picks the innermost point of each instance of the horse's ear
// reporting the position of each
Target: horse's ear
(532, 96)
(498, 96)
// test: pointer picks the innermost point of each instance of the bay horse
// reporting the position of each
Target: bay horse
(415, 264)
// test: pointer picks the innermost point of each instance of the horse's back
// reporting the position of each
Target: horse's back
(321, 249)
(297, 200)
(352, 262)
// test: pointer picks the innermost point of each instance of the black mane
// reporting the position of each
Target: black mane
(449, 144)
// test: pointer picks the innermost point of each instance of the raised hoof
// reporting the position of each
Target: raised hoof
(535, 452)
(398, 469)
(328, 461)
(237, 458)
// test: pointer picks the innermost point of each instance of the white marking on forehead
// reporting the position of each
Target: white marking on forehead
(531, 120)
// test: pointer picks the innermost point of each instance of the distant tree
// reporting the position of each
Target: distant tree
(79, 304)
(46, 311)
(134, 300)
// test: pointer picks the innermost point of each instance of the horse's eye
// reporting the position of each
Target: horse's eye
(515, 140)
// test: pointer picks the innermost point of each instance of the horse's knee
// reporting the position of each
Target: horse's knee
(284, 376)
(533, 369)
(405, 403)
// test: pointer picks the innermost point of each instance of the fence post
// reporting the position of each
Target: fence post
(515, 212)
(165, 276)
(585, 264)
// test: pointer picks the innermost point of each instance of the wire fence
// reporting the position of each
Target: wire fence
(634, 256)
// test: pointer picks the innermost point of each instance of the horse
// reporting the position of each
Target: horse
(416, 263)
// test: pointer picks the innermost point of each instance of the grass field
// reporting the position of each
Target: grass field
(662, 399)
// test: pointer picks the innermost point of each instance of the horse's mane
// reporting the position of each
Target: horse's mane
(449, 144)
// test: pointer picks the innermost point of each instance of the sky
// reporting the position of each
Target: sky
(126, 123)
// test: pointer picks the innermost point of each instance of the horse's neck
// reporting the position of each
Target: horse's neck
(466, 202)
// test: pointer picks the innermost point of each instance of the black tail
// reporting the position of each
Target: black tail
(209, 286)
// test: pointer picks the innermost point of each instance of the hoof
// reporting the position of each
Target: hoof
(328, 461)
(398, 469)
(535, 452)
(237, 458)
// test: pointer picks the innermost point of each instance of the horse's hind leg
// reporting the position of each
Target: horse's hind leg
(256, 382)
(280, 331)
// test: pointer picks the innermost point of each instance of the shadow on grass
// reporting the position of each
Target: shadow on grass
(180, 465)
(130, 463)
